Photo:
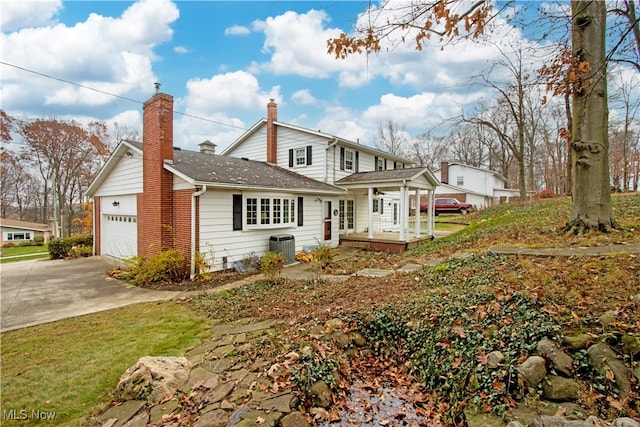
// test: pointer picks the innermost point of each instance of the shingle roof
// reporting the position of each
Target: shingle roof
(225, 170)
(385, 175)
(14, 223)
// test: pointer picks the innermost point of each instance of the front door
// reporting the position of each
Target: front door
(327, 220)
(346, 215)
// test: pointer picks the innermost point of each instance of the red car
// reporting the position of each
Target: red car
(449, 205)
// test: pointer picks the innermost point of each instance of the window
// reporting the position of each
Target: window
(460, 180)
(380, 165)
(274, 212)
(264, 211)
(301, 156)
(346, 220)
(21, 235)
(376, 205)
(277, 211)
(252, 211)
(348, 160)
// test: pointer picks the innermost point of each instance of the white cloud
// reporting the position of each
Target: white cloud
(298, 45)
(111, 54)
(237, 30)
(303, 97)
(18, 14)
(181, 50)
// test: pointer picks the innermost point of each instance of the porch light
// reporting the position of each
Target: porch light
(116, 203)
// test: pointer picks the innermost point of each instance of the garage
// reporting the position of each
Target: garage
(119, 235)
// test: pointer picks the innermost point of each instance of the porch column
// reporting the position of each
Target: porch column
(431, 211)
(370, 213)
(403, 210)
(418, 213)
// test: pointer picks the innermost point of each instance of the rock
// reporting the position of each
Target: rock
(631, 344)
(247, 423)
(495, 358)
(122, 413)
(343, 340)
(533, 370)
(604, 360)
(577, 342)
(607, 318)
(625, 422)
(219, 392)
(139, 420)
(320, 394)
(515, 424)
(217, 418)
(165, 408)
(334, 324)
(280, 403)
(154, 378)
(560, 389)
(560, 361)
(294, 419)
(358, 339)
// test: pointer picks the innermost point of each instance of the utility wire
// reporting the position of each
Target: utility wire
(114, 95)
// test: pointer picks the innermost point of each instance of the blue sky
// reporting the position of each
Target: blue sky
(223, 60)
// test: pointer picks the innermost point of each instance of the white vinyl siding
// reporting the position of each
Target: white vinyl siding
(125, 178)
(219, 240)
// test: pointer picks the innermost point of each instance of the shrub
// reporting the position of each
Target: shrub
(166, 266)
(80, 251)
(59, 249)
(271, 265)
(24, 244)
(324, 256)
(38, 241)
(546, 194)
(9, 245)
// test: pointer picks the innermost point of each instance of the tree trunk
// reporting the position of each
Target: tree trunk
(591, 209)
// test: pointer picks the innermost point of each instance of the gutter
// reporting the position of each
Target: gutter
(193, 228)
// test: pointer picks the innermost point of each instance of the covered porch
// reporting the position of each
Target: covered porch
(382, 206)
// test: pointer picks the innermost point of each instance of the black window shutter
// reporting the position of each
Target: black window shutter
(357, 162)
(237, 211)
(341, 158)
(300, 211)
(375, 163)
(395, 165)
(385, 164)
(308, 154)
(291, 157)
(381, 206)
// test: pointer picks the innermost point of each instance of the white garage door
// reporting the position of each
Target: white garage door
(119, 235)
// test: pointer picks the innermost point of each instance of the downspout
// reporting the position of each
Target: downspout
(93, 224)
(326, 160)
(193, 228)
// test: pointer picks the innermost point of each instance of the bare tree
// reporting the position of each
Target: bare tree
(427, 150)
(392, 138)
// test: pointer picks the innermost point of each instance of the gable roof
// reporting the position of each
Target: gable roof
(496, 174)
(225, 171)
(330, 140)
(14, 223)
(386, 178)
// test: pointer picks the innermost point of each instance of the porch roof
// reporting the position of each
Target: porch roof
(414, 177)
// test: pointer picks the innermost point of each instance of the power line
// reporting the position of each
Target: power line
(114, 95)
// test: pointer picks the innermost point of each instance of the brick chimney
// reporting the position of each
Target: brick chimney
(272, 133)
(155, 214)
(444, 172)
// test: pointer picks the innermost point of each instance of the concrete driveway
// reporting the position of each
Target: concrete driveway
(42, 291)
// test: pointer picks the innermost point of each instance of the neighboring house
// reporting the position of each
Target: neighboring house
(14, 231)
(480, 187)
(276, 181)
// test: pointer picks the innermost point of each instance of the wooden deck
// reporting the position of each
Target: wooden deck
(382, 241)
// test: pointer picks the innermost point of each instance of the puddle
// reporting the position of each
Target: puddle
(384, 407)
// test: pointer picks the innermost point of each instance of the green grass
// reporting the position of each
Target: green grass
(70, 367)
(33, 251)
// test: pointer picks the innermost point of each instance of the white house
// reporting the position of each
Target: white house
(277, 181)
(470, 184)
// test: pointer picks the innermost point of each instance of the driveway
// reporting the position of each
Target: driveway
(42, 291)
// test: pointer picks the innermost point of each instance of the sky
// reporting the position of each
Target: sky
(223, 61)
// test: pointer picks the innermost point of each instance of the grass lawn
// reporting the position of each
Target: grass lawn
(24, 253)
(70, 367)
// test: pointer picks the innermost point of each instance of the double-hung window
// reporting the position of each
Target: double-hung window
(301, 156)
(348, 160)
